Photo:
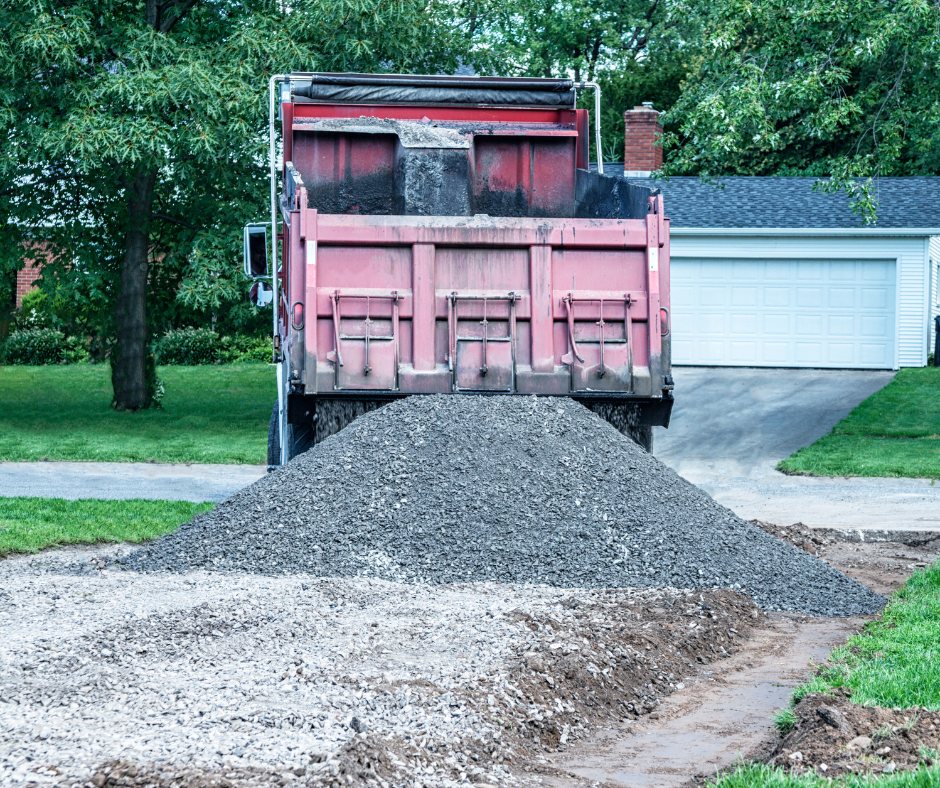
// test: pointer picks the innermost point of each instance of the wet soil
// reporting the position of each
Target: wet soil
(834, 736)
(725, 712)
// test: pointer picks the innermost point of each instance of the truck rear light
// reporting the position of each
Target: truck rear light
(297, 316)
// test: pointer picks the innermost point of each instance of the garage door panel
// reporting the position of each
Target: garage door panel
(810, 270)
(744, 296)
(759, 312)
(841, 354)
(873, 354)
(712, 351)
(842, 298)
(842, 272)
(809, 353)
(776, 353)
(682, 296)
(809, 297)
(712, 324)
(842, 326)
(808, 325)
(777, 325)
(873, 326)
(743, 352)
(776, 296)
(874, 298)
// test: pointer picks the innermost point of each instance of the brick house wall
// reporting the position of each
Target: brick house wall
(24, 280)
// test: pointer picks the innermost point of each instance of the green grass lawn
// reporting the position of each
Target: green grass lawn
(28, 525)
(895, 432)
(215, 414)
(894, 662)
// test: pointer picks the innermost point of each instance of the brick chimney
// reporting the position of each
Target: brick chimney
(641, 152)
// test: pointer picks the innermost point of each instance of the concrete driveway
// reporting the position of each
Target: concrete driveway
(731, 426)
(123, 480)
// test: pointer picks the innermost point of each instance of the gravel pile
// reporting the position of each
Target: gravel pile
(448, 489)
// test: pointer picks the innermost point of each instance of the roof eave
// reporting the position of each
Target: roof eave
(808, 231)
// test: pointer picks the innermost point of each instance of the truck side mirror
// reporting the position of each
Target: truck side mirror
(256, 251)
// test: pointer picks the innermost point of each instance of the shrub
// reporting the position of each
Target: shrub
(187, 346)
(39, 346)
(33, 312)
(196, 346)
(239, 348)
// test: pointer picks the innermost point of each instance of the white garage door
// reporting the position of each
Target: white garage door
(783, 313)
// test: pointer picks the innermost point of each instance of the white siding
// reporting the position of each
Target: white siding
(910, 252)
(933, 254)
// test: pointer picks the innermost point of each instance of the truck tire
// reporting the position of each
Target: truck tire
(274, 442)
(300, 437)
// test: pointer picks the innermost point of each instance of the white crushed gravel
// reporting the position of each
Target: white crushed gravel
(243, 671)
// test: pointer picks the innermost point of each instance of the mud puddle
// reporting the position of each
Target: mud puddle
(724, 714)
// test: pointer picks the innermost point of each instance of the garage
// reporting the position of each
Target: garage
(784, 313)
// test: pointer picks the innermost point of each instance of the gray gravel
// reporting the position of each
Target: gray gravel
(447, 489)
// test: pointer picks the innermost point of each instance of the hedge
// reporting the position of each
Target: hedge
(197, 346)
(41, 346)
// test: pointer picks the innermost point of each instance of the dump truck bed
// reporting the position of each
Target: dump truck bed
(435, 246)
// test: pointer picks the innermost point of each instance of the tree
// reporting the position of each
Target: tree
(135, 137)
(842, 88)
(637, 50)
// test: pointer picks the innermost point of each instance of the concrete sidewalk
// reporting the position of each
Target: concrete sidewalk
(119, 480)
(731, 427)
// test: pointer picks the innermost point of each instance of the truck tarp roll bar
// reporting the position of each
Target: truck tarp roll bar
(406, 89)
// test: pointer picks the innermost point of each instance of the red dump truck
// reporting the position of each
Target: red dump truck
(446, 234)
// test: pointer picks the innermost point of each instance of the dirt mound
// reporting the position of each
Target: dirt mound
(448, 489)
(617, 655)
(835, 736)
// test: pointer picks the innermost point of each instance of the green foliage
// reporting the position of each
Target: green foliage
(637, 50)
(188, 346)
(40, 346)
(99, 98)
(834, 88)
(195, 346)
(893, 661)
(28, 525)
(33, 312)
(784, 721)
(210, 414)
(895, 432)
(240, 349)
(759, 775)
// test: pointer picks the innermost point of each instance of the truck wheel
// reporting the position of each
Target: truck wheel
(274, 441)
(300, 437)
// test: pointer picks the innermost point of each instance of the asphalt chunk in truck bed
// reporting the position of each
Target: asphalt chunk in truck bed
(449, 489)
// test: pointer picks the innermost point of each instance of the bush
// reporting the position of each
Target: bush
(238, 348)
(33, 312)
(40, 346)
(197, 346)
(187, 346)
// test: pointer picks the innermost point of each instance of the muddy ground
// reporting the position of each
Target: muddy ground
(725, 714)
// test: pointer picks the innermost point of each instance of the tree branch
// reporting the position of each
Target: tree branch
(172, 220)
(167, 25)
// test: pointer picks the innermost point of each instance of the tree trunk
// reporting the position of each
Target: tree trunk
(129, 360)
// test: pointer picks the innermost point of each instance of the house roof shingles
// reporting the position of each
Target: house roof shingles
(782, 202)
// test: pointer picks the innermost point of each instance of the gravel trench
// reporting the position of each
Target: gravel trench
(445, 489)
